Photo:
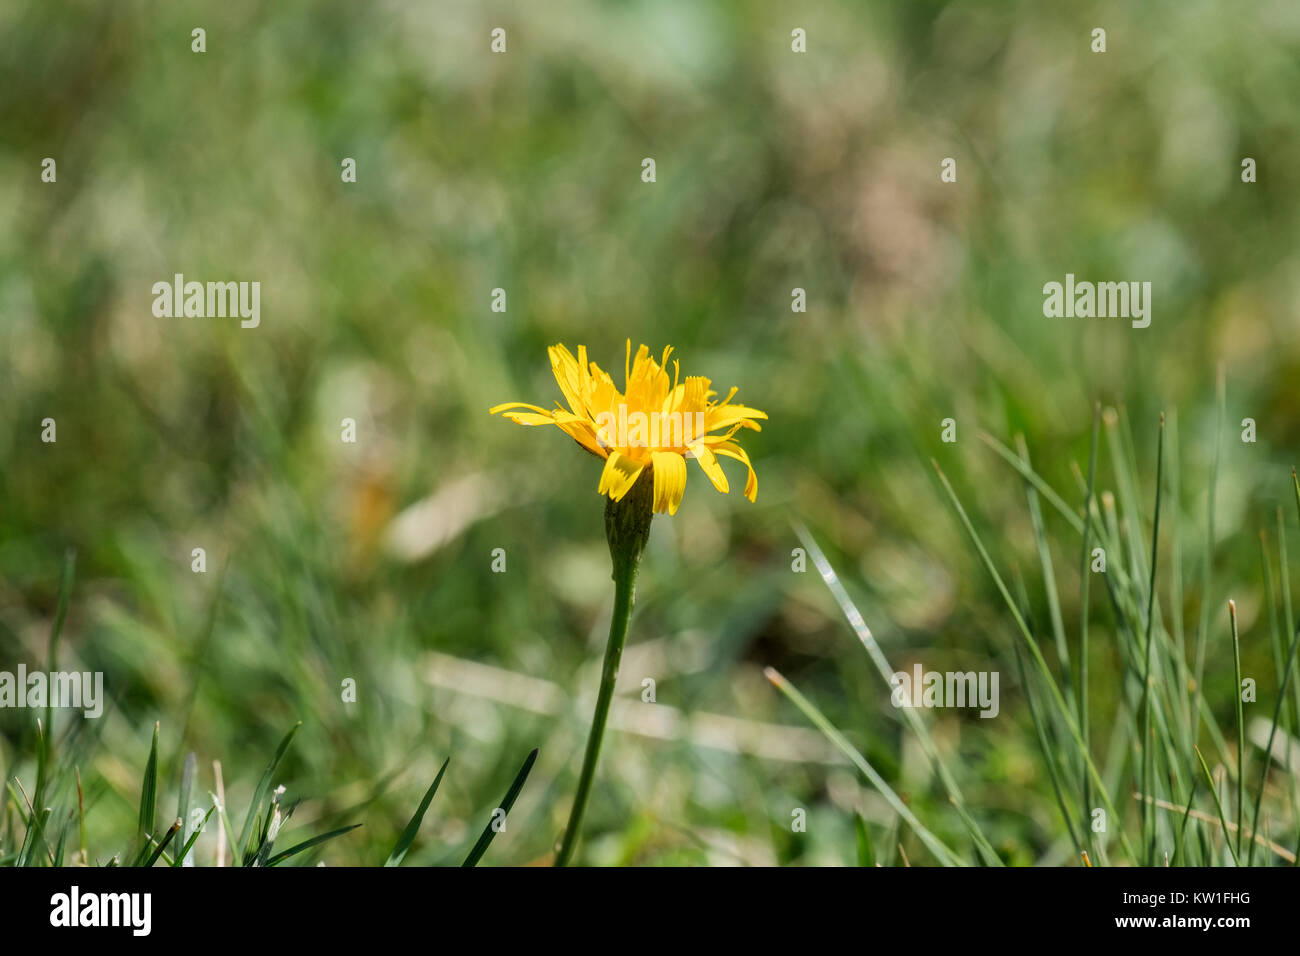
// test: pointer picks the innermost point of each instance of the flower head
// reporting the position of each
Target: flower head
(655, 423)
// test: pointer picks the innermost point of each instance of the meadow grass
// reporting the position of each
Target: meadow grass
(44, 830)
(373, 561)
(1144, 788)
(1162, 711)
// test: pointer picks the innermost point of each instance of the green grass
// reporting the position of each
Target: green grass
(43, 833)
(372, 562)
(1159, 707)
(256, 844)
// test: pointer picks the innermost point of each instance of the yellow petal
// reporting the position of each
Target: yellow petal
(568, 375)
(718, 439)
(580, 430)
(694, 395)
(709, 464)
(670, 480)
(619, 476)
(732, 450)
(584, 374)
(529, 418)
(721, 416)
(536, 415)
(504, 405)
(673, 399)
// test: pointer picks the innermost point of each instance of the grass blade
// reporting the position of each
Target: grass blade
(872, 647)
(1182, 828)
(866, 853)
(81, 820)
(259, 794)
(1218, 804)
(224, 822)
(1241, 723)
(45, 755)
(167, 838)
(1049, 579)
(489, 831)
(1085, 581)
(183, 802)
(1148, 745)
(413, 827)
(1207, 569)
(1277, 711)
(308, 844)
(1048, 753)
(194, 835)
(1036, 653)
(148, 794)
(1031, 476)
(945, 856)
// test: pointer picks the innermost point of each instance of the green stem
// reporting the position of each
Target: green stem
(1241, 727)
(1148, 758)
(627, 527)
(1084, 583)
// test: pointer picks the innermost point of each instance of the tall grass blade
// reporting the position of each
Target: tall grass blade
(1277, 711)
(1036, 653)
(308, 844)
(183, 802)
(263, 786)
(149, 794)
(162, 845)
(1148, 744)
(489, 831)
(1218, 805)
(945, 856)
(1241, 723)
(1207, 567)
(872, 647)
(1085, 581)
(866, 853)
(413, 827)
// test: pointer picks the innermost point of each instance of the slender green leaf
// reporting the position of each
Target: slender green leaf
(1035, 652)
(167, 838)
(1218, 805)
(413, 827)
(149, 793)
(869, 643)
(263, 786)
(945, 855)
(489, 831)
(308, 844)
(866, 853)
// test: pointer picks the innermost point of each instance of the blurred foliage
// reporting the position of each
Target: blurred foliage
(522, 171)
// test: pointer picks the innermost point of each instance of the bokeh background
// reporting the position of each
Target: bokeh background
(522, 171)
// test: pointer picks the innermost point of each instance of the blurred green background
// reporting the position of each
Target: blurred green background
(522, 171)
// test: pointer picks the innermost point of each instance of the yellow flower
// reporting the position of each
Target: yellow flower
(654, 423)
